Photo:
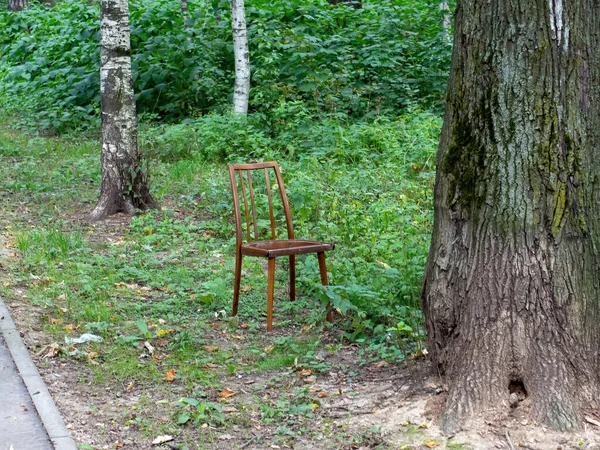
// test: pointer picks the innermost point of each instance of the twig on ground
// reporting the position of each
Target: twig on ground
(509, 441)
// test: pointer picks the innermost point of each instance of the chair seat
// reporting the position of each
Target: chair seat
(284, 247)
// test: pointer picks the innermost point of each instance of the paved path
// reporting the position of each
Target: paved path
(29, 419)
(20, 425)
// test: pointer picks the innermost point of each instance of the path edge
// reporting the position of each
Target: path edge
(42, 400)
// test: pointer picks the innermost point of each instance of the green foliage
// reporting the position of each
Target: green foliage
(326, 61)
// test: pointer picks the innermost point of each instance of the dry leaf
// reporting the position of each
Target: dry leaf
(431, 444)
(211, 348)
(229, 409)
(226, 393)
(305, 328)
(380, 364)
(321, 395)
(129, 387)
(50, 351)
(244, 326)
(62, 297)
(210, 366)
(53, 320)
(162, 439)
(305, 372)
(425, 425)
(69, 328)
(170, 375)
(162, 321)
(269, 349)
(226, 437)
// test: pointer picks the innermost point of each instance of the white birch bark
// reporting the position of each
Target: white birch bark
(17, 5)
(124, 185)
(241, 91)
(184, 12)
(445, 9)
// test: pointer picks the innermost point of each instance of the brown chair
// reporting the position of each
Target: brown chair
(241, 179)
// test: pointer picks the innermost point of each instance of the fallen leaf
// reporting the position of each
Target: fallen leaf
(162, 321)
(170, 375)
(229, 409)
(53, 320)
(208, 233)
(305, 328)
(129, 387)
(321, 395)
(50, 351)
(425, 425)
(162, 439)
(269, 349)
(226, 393)
(210, 366)
(311, 379)
(305, 372)
(211, 348)
(431, 444)
(244, 326)
(380, 364)
(69, 328)
(62, 297)
(146, 288)
(226, 437)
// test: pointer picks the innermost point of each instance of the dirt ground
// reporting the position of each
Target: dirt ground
(385, 406)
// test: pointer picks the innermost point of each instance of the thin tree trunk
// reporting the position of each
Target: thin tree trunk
(445, 10)
(511, 293)
(185, 13)
(17, 5)
(241, 91)
(124, 179)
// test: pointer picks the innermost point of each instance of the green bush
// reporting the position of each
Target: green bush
(326, 61)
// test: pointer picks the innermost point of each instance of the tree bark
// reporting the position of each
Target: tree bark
(446, 20)
(241, 91)
(185, 13)
(17, 5)
(511, 292)
(124, 178)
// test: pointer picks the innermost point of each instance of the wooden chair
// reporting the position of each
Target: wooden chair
(241, 179)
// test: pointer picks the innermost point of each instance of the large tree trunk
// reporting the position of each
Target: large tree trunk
(511, 292)
(241, 90)
(124, 179)
(17, 5)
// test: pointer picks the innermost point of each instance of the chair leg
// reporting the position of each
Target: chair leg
(270, 293)
(323, 270)
(236, 283)
(292, 278)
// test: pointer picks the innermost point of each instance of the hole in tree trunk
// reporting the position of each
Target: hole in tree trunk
(517, 387)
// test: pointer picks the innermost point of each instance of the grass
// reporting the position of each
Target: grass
(163, 280)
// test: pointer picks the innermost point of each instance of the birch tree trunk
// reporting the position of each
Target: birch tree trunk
(124, 179)
(17, 5)
(184, 12)
(511, 293)
(241, 91)
(445, 11)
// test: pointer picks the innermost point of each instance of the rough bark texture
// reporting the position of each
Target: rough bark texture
(241, 91)
(17, 5)
(511, 292)
(124, 179)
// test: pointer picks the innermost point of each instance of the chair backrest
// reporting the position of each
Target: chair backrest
(240, 176)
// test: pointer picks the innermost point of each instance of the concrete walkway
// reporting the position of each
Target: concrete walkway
(29, 419)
